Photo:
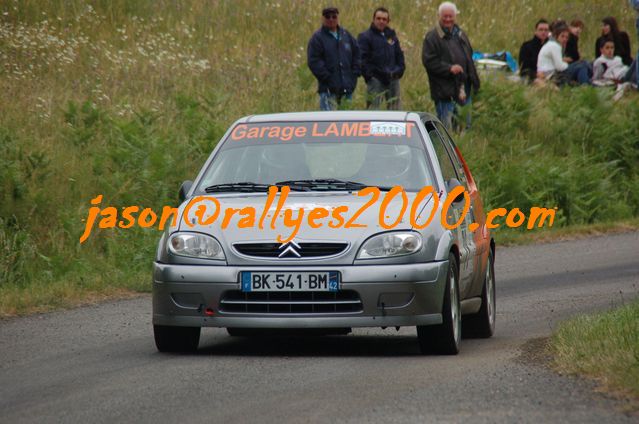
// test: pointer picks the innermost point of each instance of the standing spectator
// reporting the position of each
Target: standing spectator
(447, 57)
(529, 50)
(572, 47)
(633, 74)
(333, 57)
(382, 61)
(610, 31)
(551, 63)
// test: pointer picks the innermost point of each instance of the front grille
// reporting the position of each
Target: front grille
(236, 301)
(277, 250)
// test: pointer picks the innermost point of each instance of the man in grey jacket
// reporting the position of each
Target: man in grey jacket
(447, 57)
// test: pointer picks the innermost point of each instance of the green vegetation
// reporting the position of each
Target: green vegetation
(127, 99)
(603, 346)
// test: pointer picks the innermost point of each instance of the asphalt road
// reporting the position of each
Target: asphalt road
(99, 364)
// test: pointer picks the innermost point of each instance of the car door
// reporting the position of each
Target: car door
(448, 167)
(474, 249)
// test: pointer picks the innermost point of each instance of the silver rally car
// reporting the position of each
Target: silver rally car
(341, 247)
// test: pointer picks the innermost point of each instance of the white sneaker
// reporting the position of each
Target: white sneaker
(621, 89)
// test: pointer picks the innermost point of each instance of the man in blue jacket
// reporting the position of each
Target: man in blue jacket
(333, 57)
(382, 61)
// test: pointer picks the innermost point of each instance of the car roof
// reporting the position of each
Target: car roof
(350, 115)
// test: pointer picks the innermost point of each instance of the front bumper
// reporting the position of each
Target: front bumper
(391, 295)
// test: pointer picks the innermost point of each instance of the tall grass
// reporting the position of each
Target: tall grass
(126, 99)
(573, 149)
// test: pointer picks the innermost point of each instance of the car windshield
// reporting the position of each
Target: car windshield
(382, 154)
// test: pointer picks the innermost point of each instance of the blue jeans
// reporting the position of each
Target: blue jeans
(636, 62)
(633, 73)
(329, 101)
(448, 113)
(445, 111)
(376, 92)
(579, 71)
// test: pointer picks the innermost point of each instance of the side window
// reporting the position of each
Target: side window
(453, 154)
(445, 163)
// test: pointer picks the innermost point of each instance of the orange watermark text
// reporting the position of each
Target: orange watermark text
(207, 211)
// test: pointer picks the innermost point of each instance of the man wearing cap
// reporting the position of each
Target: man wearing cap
(447, 57)
(333, 57)
(382, 61)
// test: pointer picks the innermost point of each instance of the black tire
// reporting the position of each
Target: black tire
(482, 324)
(176, 339)
(444, 338)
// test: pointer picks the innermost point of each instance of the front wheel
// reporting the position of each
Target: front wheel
(444, 338)
(482, 324)
(176, 339)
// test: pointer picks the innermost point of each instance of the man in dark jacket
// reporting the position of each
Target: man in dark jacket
(529, 51)
(382, 61)
(447, 57)
(333, 57)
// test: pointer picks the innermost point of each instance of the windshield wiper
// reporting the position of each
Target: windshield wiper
(248, 187)
(244, 187)
(327, 184)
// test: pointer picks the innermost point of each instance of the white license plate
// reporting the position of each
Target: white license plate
(254, 281)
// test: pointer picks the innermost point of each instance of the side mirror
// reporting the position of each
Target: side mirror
(184, 189)
(451, 185)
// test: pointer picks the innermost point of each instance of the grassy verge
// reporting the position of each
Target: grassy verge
(604, 347)
(508, 237)
(21, 301)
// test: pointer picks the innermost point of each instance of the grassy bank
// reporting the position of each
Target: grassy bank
(604, 347)
(126, 99)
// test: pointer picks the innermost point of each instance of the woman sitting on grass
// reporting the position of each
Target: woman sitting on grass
(608, 69)
(551, 64)
(610, 31)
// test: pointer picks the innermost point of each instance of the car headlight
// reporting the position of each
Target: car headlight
(390, 244)
(195, 245)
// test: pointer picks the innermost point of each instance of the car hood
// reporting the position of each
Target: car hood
(366, 224)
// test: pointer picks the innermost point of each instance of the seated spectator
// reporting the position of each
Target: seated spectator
(608, 69)
(610, 31)
(551, 63)
(572, 48)
(529, 50)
